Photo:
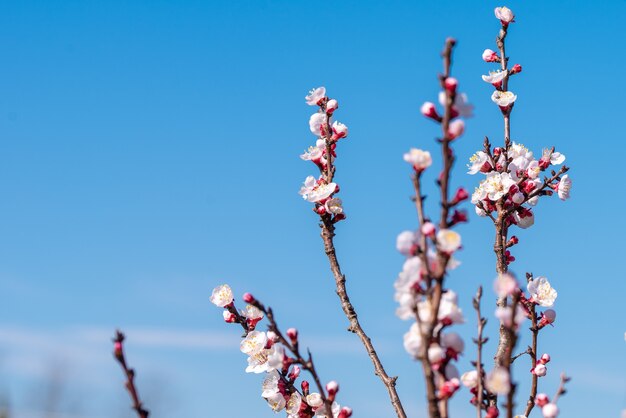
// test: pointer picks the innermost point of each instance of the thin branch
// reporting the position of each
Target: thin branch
(118, 353)
(328, 232)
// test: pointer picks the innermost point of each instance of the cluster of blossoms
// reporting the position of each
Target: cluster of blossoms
(512, 177)
(321, 190)
(278, 356)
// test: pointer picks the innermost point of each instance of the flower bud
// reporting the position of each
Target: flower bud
(539, 370)
(550, 410)
(345, 412)
(331, 106)
(271, 335)
(492, 412)
(292, 333)
(490, 56)
(229, 317)
(295, 372)
(332, 387)
(118, 350)
(461, 194)
(456, 129)
(518, 198)
(505, 15)
(248, 298)
(339, 130)
(305, 387)
(541, 400)
(545, 358)
(428, 229)
(450, 84)
(516, 69)
(547, 317)
(429, 110)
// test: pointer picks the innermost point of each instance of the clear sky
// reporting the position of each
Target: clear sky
(149, 151)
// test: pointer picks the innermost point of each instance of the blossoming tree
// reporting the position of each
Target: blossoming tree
(514, 182)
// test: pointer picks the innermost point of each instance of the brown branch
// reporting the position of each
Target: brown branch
(118, 353)
(480, 341)
(533, 355)
(561, 390)
(328, 232)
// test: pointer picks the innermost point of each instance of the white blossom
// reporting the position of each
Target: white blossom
(339, 130)
(479, 162)
(252, 312)
(322, 413)
(294, 403)
(503, 98)
(316, 121)
(504, 14)
(334, 206)
(418, 158)
(461, 104)
(453, 341)
(504, 285)
(448, 240)
(405, 241)
(315, 95)
(497, 185)
(520, 155)
(315, 153)
(270, 384)
(266, 360)
(436, 353)
(557, 158)
(498, 381)
(525, 220)
(495, 76)
(313, 191)
(314, 400)
(563, 189)
(542, 292)
(505, 315)
(470, 379)
(413, 341)
(222, 296)
(276, 401)
(254, 342)
(550, 410)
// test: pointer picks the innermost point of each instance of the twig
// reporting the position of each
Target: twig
(118, 353)
(328, 232)
(561, 390)
(479, 344)
(307, 364)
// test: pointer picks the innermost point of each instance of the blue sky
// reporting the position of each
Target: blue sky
(149, 151)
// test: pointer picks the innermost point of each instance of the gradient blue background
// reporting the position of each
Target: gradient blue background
(149, 151)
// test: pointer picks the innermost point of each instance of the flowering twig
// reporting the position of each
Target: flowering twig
(330, 210)
(267, 353)
(118, 353)
(420, 286)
